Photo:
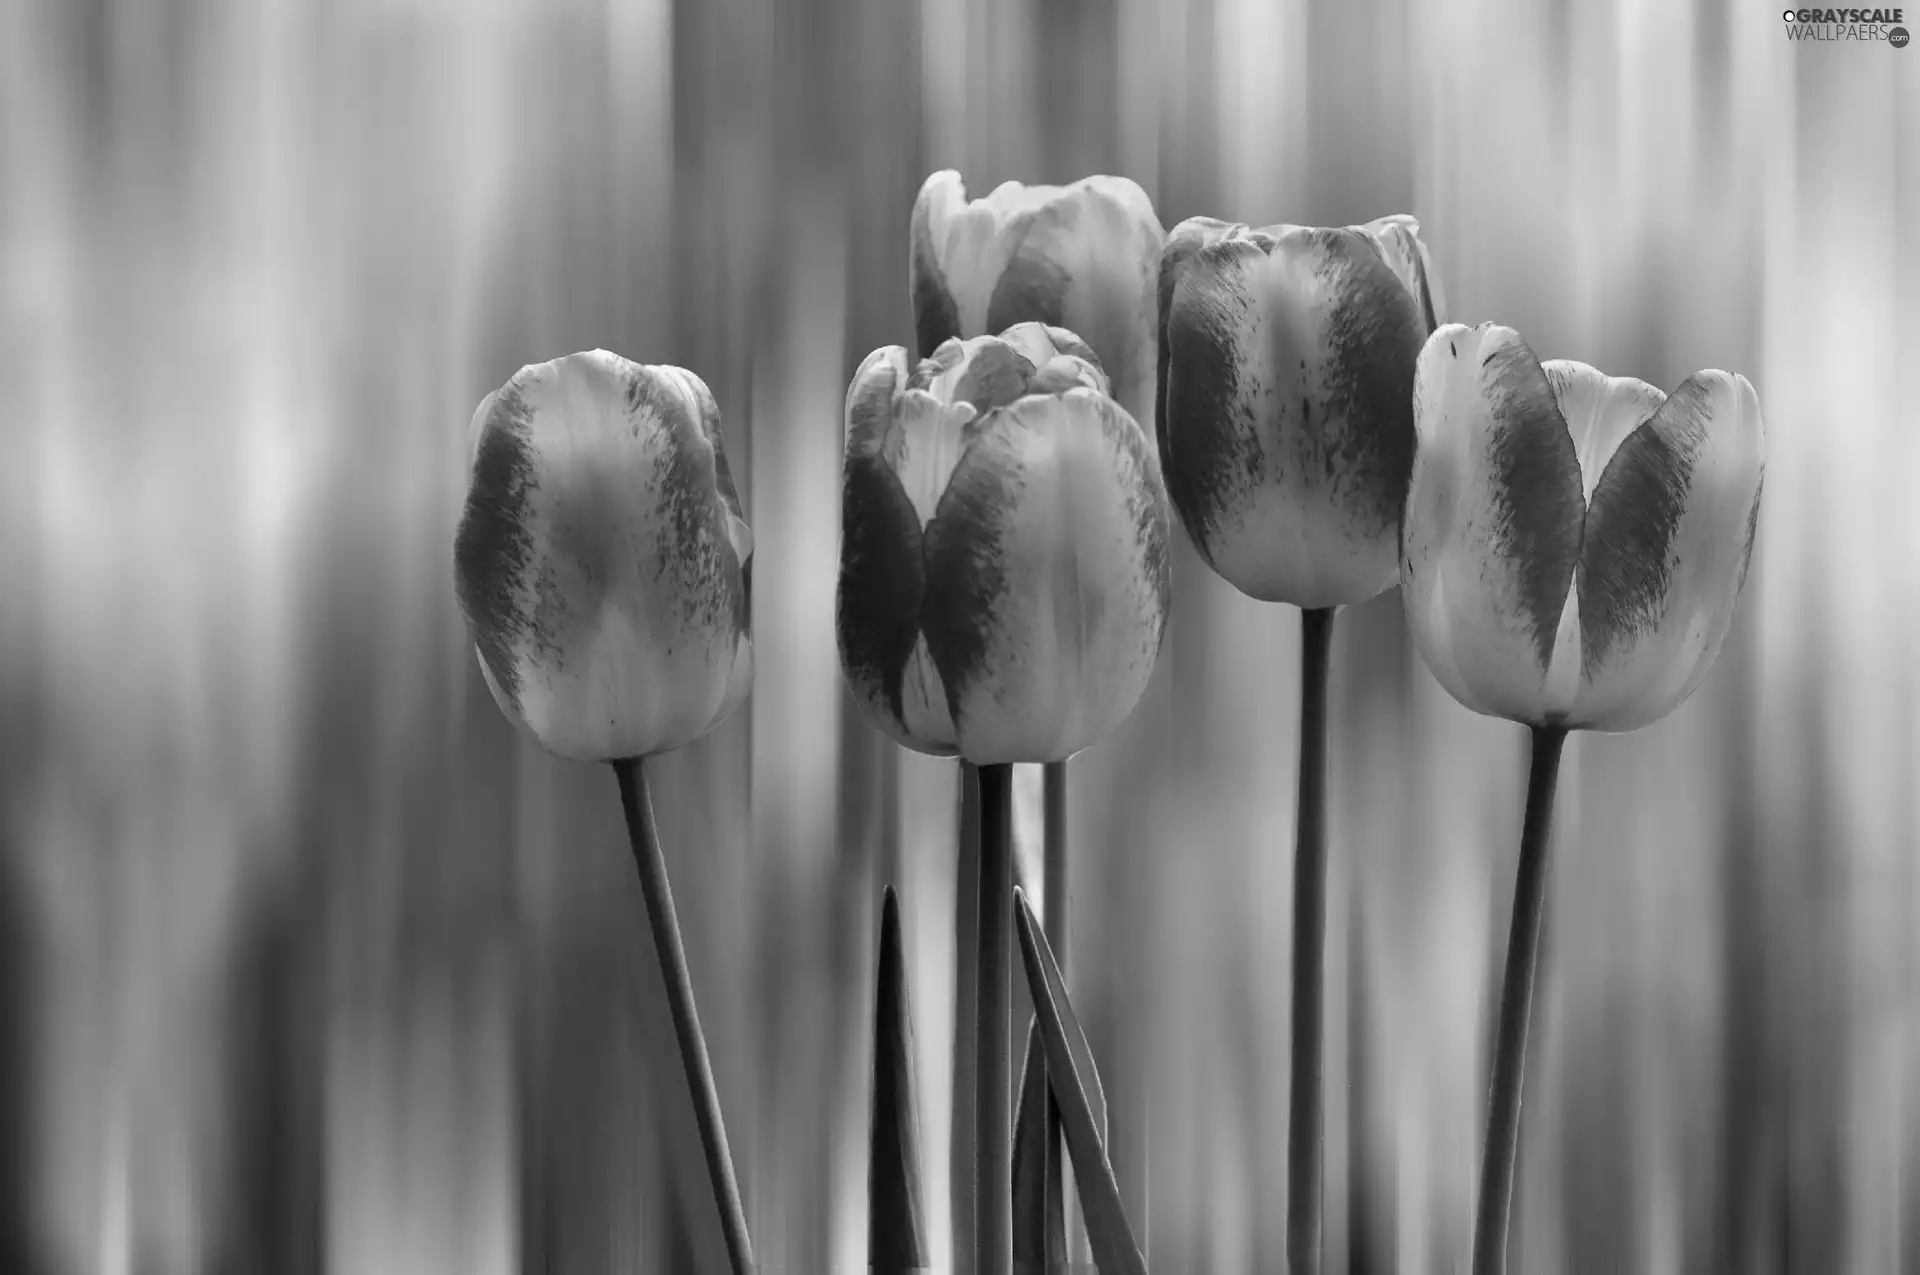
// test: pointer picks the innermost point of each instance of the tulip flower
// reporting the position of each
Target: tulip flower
(602, 562)
(1082, 257)
(1286, 435)
(1574, 542)
(1003, 569)
(1003, 595)
(1287, 427)
(1572, 549)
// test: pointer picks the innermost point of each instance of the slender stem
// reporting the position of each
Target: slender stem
(1054, 901)
(993, 1076)
(645, 839)
(1305, 1152)
(1516, 1007)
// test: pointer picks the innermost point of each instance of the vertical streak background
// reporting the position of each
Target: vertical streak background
(308, 964)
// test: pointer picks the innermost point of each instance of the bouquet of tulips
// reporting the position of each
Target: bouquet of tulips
(1569, 548)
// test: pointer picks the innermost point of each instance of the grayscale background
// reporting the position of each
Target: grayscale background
(309, 964)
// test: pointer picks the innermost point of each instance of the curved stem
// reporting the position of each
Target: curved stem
(1516, 1007)
(647, 857)
(993, 1076)
(1305, 1118)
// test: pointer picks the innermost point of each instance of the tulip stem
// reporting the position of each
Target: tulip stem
(993, 1075)
(1305, 1118)
(1516, 1007)
(1054, 901)
(647, 856)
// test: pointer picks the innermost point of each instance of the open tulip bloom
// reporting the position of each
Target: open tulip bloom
(1572, 550)
(1003, 595)
(1286, 435)
(603, 564)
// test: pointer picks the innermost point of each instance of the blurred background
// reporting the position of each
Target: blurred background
(309, 964)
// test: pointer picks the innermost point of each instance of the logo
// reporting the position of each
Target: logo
(1846, 24)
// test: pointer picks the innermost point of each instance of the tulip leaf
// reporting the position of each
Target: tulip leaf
(896, 1236)
(1039, 1216)
(1073, 1078)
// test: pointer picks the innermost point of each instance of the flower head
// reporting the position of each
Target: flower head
(1574, 543)
(602, 559)
(1081, 257)
(1286, 425)
(1003, 562)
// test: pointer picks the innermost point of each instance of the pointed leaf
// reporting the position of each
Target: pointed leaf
(896, 1235)
(1039, 1218)
(1072, 1077)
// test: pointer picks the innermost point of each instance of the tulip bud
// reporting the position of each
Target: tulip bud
(1286, 428)
(1574, 543)
(1003, 559)
(1082, 257)
(602, 559)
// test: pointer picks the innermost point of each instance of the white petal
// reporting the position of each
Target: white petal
(1600, 410)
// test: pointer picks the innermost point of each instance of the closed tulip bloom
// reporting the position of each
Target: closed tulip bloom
(602, 559)
(1003, 565)
(1574, 543)
(1082, 257)
(1286, 424)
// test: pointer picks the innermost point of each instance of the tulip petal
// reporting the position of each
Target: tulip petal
(1185, 241)
(936, 314)
(495, 550)
(598, 559)
(1060, 359)
(1493, 522)
(1083, 257)
(1600, 410)
(1398, 238)
(1667, 541)
(882, 570)
(995, 374)
(1289, 431)
(1047, 585)
(1087, 259)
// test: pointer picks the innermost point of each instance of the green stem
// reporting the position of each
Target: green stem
(647, 857)
(1305, 1151)
(993, 1112)
(1054, 901)
(1516, 1007)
